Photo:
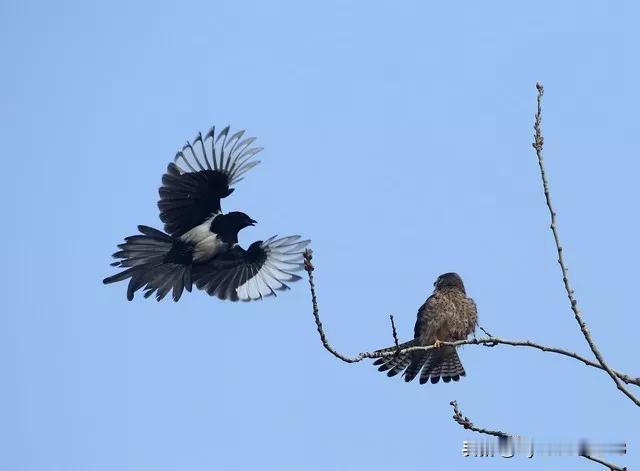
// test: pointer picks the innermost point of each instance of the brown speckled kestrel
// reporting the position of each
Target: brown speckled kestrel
(446, 316)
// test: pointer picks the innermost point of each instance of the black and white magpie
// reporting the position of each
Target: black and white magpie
(201, 243)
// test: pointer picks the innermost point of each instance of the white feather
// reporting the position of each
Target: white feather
(207, 244)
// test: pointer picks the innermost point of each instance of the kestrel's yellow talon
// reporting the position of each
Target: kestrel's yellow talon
(436, 343)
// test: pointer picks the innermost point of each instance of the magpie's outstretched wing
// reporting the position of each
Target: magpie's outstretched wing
(201, 175)
(247, 275)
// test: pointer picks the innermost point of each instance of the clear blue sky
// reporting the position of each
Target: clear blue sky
(397, 137)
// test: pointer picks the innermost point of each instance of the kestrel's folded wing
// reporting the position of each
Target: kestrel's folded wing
(428, 323)
(201, 175)
(431, 318)
(247, 275)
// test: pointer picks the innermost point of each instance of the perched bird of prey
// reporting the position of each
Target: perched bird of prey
(201, 243)
(446, 316)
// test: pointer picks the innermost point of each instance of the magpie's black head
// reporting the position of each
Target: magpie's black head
(228, 225)
(239, 220)
(449, 280)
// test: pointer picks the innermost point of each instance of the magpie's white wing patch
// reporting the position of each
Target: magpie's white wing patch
(247, 275)
(283, 257)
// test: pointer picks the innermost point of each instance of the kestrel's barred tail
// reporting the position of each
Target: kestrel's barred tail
(447, 315)
(397, 363)
(443, 363)
(436, 363)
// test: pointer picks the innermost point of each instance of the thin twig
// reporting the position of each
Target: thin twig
(485, 332)
(468, 424)
(308, 266)
(394, 332)
(487, 342)
(611, 466)
(538, 146)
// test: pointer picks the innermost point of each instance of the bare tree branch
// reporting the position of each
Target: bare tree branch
(618, 377)
(538, 146)
(611, 466)
(308, 266)
(485, 331)
(394, 332)
(487, 342)
(468, 424)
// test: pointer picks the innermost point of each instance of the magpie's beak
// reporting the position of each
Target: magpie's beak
(252, 222)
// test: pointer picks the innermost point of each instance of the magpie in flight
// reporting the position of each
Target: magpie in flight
(200, 245)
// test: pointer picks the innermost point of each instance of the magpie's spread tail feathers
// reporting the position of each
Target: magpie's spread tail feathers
(155, 262)
(442, 362)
